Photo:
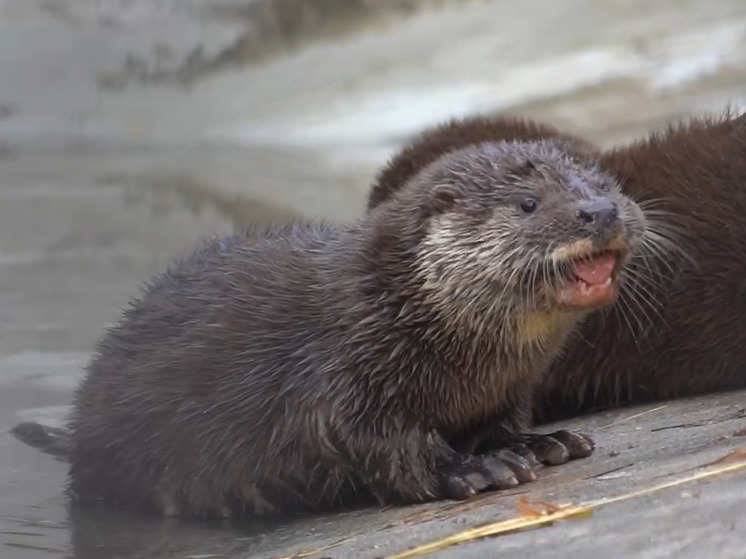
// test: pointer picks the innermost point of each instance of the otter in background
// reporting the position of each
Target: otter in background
(679, 327)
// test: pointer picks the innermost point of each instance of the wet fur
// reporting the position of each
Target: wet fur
(679, 328)
(306, 367)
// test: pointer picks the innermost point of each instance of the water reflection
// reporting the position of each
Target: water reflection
(99, 533)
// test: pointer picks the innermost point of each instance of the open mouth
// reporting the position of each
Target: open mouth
(591, 280)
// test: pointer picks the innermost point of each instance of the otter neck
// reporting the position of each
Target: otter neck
(544, 329)
(526, 338)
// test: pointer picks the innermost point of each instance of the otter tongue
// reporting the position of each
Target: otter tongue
(597, 270)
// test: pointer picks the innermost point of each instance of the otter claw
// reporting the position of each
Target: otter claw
(558, 447)
(520, 449)
(577, 444)
(475, 474)
(521, 466)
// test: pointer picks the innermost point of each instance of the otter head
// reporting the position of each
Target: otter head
(516, 225)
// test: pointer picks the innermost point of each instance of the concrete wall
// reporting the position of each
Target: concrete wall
(292, 105)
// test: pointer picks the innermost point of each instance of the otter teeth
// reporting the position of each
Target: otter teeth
(585, 286)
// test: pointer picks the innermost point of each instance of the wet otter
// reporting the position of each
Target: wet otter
(455, 134)
(307, 367)
(679, 328)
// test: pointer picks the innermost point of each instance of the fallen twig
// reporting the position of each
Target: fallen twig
(496, 529)
(635, 416)
(611, 471)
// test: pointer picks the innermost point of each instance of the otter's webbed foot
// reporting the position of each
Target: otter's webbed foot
(465, 476)
(523, 454)
(554, 448)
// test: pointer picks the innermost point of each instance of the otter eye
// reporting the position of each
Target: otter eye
(529, 205)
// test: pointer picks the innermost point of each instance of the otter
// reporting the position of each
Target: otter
(455, 134)
(679, 326)
(307, 367)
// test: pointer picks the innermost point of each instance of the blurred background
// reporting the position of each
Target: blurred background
(129, 128)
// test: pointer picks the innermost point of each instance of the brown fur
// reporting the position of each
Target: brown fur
(680, 328)
(457, 134)
(307, 367)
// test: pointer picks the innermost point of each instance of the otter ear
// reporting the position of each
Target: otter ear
(524, 168)
(441, 198)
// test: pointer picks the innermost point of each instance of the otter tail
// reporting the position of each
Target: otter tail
(51, 440)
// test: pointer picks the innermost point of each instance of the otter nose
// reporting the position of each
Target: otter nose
(597, 215)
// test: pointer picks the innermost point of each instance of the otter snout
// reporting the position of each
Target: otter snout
(597, 216)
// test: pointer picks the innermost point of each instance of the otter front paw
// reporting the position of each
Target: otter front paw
(554, 448)
(470, 475)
